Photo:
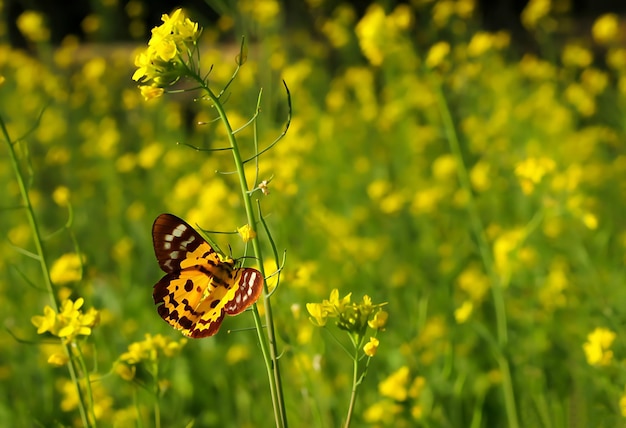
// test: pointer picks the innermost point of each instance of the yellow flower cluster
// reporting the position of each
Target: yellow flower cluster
(148, 350)
(69, 322)
(598, 347)
(351, 317)
(164, 62)
(398, 387)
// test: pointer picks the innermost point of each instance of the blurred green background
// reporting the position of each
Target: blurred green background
(468, 170)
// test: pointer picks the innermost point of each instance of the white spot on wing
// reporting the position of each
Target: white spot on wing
(179, 230)
(188, 241)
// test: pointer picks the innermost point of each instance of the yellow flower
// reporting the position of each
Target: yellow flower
(125, 371)
(69, 322)
(606, 28)
(437, 54)
(395, 386)
(149, 349)
(371, 347)
(576, 56)
(46, 322)
(61, 195)
(151, 92)
(463, 313)
(246, 233)
(237, 353)
(32, 25)
(74, 322)
(58, 359)
(68, 268)
(480, 43)
(161, 64)
(531, 171)
(316, 310)
(534, 12)
(597, 348)
(379, 321)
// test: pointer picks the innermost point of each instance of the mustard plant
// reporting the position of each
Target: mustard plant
(355, 319)
(64, 320)
(145, 358)
(173, 55)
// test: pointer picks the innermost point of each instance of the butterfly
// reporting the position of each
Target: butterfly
(201, 286)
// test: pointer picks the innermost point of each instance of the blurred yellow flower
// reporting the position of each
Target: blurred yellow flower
(474, 282)
(481, 42)
(534, 12)
(616, 58)
(597, 347)
(151, 92)
(370, 31)
(151, 349)
(505, 248)
(437, 54)
(580, 99)
(594, 80)
(462, 313)
(395, 386)
(61, 195)
(262, 12)
(150, 154)
(58, 359)
(384, 411)
(237, 353)
(67, 268)
(552, 293)
(480, 176)
(576, 56)
(371, 347)
(605, 29)
(32, 25)
(443, 10)
(532, 170)
(125, 371)
(590, 220)
(445, 167)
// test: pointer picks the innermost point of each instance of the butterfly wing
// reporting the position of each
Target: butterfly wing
(249, 286)
(199, 287)
(175, 242)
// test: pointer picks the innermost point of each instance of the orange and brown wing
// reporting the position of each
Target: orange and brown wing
(199, 287)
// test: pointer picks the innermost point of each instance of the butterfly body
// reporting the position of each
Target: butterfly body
(200, 286)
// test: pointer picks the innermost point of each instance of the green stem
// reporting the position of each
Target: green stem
(270, 354)
(81, 360)
(157, 394)
(355, 385)
(43, 263)
(479, 233)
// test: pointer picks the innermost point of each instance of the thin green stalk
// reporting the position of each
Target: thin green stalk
(81, 360)
(43, 263)
(157, 398)
(270, 353)
(355, 385)
(479, 232)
